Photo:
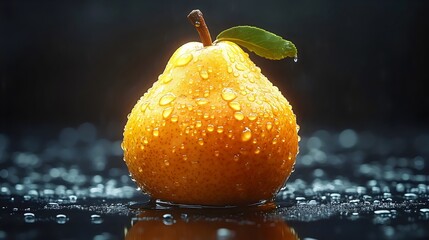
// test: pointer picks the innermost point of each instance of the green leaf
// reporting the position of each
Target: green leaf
(259, 41)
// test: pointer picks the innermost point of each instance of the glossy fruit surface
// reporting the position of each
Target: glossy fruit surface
(211, 131)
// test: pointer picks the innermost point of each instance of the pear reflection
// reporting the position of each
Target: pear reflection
(208, 224)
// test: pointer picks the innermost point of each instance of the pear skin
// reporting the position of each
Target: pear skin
(212, 130)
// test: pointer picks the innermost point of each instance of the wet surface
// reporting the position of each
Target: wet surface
(73, 184)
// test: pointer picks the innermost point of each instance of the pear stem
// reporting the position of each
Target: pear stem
(197, 20)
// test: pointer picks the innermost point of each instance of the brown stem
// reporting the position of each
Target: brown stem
(197, 20)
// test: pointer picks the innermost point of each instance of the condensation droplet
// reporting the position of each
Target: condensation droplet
(167, 112)
(216, 153)
(234, 105)
(382, 212)
(410, 196)
(269, 126)
(210, 128)
(246, 135)
(61, 218)
(174, 118)
(275, 111)
(144, 107)
(236, 157)
(29, 217)
(252, 116)
(219, 129)
(228, 94)
(239, 66)
(168, 219)
(73, 198)
(206, 93)
(155, 132)
(251, 97)
(96, 219)
(201, 142)
(274, 141)
(424, 211)
(239, 116)
(257, 150)
(225, 233)
(183, 60)
(204, 74)
(229, 69)
(166, 99)
(201, 101)
(198, 123)
(167, 78)
(242, 58)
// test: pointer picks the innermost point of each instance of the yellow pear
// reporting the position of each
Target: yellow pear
(212, 130)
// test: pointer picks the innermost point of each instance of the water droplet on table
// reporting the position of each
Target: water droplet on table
(168, 219)
(410, 196)
(29, 217)
(382, 212)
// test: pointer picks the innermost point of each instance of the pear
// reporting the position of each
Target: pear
(212, 130)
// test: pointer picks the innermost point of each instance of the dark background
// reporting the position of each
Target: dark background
(362, 64)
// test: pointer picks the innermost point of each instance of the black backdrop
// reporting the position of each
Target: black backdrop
(361, 63)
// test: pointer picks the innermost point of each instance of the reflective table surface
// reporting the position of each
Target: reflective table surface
(71, 183)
